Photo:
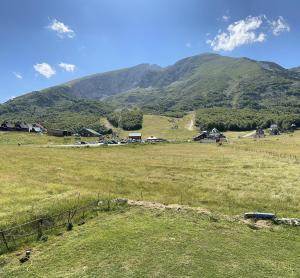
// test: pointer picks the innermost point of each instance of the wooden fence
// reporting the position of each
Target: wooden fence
(37, 228)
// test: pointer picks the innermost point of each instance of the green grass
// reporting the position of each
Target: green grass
(231, 179)
(164, 127)
(140, 243)
(244, 175)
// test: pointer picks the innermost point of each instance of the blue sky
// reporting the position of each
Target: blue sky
(48, 42)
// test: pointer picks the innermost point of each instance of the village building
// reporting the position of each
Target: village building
(135, 136)
(87, 132)
(212, 136)
(8, 126)
(153, 139)
(259, 133)
(59, 132)
(22, 126)
(274, 129)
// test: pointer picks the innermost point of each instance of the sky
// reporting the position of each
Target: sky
(48, 42)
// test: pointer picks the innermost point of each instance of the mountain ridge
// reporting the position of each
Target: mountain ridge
(200, 81)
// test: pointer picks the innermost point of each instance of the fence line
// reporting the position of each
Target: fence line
(10, 237)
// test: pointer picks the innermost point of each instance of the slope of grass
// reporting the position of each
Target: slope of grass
(140, 243)
(164, 127)
(241, 176)
(23, 138)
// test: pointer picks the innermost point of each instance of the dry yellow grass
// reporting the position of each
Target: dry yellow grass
(231, 179)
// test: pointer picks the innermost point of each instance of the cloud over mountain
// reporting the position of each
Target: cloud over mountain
(252, 29)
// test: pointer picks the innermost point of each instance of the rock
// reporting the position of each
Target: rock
(121, 201)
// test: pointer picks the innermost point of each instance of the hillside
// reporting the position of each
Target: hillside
(55, 108)
(206, 80)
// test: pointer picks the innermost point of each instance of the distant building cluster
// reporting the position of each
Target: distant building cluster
(22, 127)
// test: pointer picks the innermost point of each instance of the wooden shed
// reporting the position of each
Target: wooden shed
(87, 132)
(59, 132)
(135, 136)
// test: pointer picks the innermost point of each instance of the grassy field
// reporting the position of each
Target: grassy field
(241, 176)
(140, 243)
(244, 175)
(163, 127)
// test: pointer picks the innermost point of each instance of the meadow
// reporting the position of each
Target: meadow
(243, 175)
(150, 243)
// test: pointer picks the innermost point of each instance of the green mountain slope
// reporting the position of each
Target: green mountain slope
(213, 80)
(55, 108)
(201, 81)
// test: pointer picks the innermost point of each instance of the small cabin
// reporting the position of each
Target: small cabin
(274, 129)
(153, 139)
(59, 132)
(8, 126)
(87, 132)
(22, 126)
(259, 133)
(135, 136)
(213, 136)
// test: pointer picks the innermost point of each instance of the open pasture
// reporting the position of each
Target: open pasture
(245, 175)
(152, 243)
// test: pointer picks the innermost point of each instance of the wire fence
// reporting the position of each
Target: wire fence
(13, 236)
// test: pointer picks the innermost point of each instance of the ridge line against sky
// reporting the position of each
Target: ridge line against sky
(70, 39)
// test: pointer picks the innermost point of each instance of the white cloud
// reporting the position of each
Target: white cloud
(247, 31)
(18, 75)
(188, 45)
(44, 69)
(279, 26)
(238, 33)
(225, 18)
(62, 30)
(67, 67)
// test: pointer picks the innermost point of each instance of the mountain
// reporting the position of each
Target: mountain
(55, 108)
(207, 80)
(296, 70)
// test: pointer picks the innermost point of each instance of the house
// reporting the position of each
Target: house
(37, 128)
(212, 136)
(8, 126)
(153, 139)
(274, 129)
(259, 133)
(22, 126)
(293, 127)
(59, 132)
(87, 132)
(135, 136)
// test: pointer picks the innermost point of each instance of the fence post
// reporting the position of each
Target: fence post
(4, 240)
(39, 229)
(69, 225)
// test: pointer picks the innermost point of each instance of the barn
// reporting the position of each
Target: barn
(87, 132)
(59, 132)
(135, 136)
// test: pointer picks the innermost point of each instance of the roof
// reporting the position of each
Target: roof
(135, 134)
(92, 131)
(152, 138)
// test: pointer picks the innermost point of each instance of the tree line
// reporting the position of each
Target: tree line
(246, 119)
